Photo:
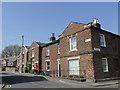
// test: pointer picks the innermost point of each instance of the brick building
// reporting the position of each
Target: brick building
(50, 56)
(22, 61)
(87, 50)
(81, 50)
(35, 51)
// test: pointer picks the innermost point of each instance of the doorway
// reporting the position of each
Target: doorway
(59, 70)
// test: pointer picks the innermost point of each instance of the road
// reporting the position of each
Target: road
(18, 81)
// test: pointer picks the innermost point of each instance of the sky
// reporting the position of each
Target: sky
(37, 20)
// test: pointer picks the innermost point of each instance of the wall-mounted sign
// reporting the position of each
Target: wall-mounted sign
(88, 40)
(97, 49)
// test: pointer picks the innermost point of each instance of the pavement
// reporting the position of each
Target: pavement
(76, 83)
(18, 80)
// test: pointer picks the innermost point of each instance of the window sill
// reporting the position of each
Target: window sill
(105, 71)
(103, 46)
(73, 50)
(47, 70)
(47, 56)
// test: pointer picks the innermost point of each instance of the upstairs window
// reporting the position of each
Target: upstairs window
(47, 51)
(58, 48)
(102, 40)
(73, 44)
(32, 52)
(105, 64)
(47, 66)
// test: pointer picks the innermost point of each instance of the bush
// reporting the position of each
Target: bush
(26, 70)
(76, 76)
(64, 75)
(81, 77)
(35, 70)
(32, 71)
(70, 76)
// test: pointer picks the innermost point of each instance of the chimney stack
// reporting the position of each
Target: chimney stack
(52, 38)
(96, 23)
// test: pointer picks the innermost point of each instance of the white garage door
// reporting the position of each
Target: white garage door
(74, 67)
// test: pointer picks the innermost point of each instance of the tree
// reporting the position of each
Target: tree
(10, 51)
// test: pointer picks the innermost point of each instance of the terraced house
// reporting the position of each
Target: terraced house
(35, 52)
(89, 51)
(51, 57)
(82, 50)
(22, 62)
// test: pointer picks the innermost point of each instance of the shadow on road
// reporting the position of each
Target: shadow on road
(3, 73)
(21, 79)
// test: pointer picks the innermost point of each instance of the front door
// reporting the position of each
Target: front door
(22, 68)
(59, 71)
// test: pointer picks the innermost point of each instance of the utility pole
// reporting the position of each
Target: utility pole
(21, 68)
(22, 40)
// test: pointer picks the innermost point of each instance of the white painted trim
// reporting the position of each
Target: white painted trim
(58, 59)
(47, 60)
(106, 65)
(88, 40)
(36, 62)
(104, 40)
(71, 58)
(75, 49)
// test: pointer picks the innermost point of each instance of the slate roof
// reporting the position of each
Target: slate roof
(46, 44)
(41, 44)
(12, 59)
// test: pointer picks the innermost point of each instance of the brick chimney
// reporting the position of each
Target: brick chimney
(52, 38)
(96, 23)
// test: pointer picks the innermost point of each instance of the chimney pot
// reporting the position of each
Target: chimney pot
(96, 23)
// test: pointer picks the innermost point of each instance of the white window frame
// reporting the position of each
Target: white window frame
(58, 48)
(47, 51)
(33, 53)
(47, 66)
(74, 68)
(75, 44)
(106, 65)
(103, 41)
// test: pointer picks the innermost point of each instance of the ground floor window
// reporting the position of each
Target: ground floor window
(74, 67)
(105, 64)
(47, 66)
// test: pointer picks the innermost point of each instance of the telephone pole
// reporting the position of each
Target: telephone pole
(21, 66)
(22, 40)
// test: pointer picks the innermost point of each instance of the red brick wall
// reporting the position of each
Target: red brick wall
(111, 52)
(37, 54)
(25, 58)
(86, 60)
(52, 57)
(34, 46)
